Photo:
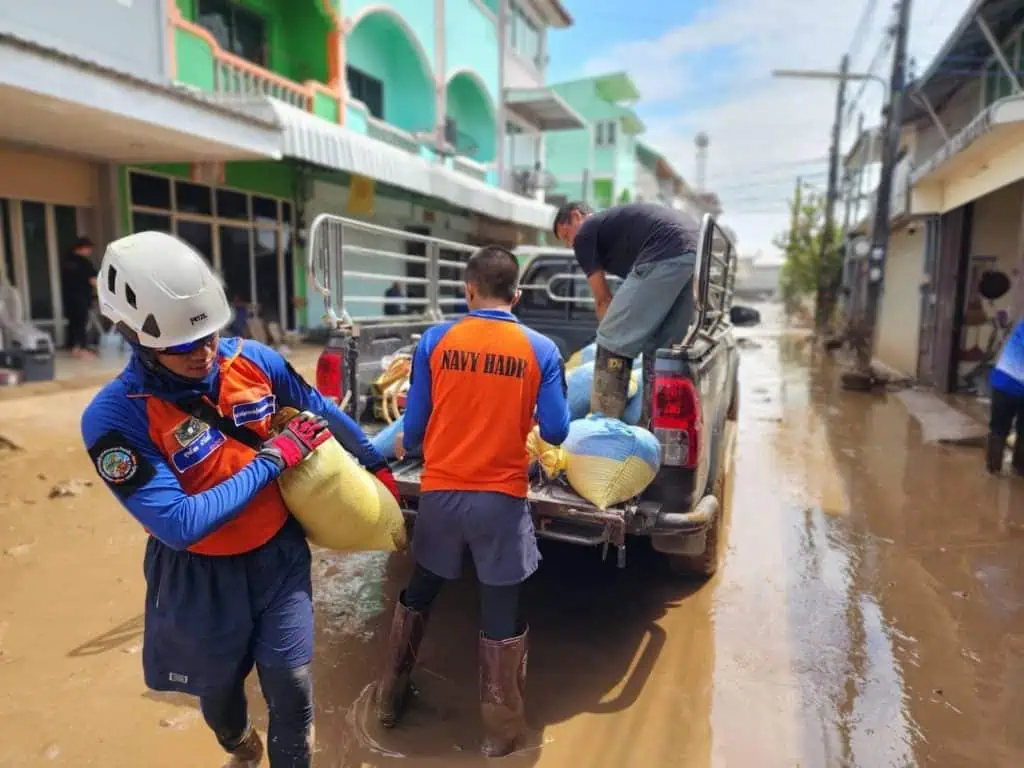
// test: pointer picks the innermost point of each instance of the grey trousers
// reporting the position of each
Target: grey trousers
(652, 308)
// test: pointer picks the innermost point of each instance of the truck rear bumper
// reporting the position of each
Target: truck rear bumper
(561, 515)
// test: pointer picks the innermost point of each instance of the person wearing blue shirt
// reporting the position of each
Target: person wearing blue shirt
(1007, 381)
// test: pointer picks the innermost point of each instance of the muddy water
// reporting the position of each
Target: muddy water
(868, 613)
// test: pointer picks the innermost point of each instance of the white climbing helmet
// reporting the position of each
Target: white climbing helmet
(161, 290)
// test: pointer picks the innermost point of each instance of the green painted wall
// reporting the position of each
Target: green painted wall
(469, 106)
(296, 32)
(326, 107)
(379, 47)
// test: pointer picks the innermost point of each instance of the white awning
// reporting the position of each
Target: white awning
(543, 108)
(310, 138)
(50, 99)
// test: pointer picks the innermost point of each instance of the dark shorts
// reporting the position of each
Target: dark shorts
(497, 529)
(208, 619)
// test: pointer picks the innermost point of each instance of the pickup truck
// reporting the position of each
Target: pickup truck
(695, 396)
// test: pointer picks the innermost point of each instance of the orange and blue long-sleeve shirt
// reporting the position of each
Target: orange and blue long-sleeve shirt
(189, 484)
(477, 384)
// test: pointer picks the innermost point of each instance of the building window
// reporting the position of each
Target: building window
(604, 133)
(236, 29)
(246, 238)
(367, 89)
(524, 37)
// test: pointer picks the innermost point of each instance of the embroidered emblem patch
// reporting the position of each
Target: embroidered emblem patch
(189, 431)
(257, 410)
(200, 449)
(117, 465)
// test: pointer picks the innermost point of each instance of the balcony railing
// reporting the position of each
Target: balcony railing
(231, 75)
(470, 167)
(199, 61)
(393, 135)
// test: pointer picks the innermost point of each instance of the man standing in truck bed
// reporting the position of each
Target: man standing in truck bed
(653, 248)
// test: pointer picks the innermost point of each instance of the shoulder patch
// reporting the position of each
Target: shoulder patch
(120, 464)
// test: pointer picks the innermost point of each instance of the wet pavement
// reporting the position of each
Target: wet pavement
(868, 612)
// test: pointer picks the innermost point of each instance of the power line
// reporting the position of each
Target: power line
(860, 32)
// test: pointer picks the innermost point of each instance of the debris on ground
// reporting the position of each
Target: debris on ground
(68, 488)
(7, 444)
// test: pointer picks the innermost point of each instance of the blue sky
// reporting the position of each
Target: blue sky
(705, 65)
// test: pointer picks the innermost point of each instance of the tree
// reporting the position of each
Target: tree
(803, 269)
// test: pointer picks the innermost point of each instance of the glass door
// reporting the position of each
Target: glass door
(39, 258)
(236, 263)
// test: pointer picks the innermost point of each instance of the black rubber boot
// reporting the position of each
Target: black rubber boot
(1018, 452)
(610, 391)
(995, 453)
(647, 384)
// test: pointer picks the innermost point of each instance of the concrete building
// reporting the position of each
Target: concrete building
(232, 123)
(757, 279)
(597, 163)
(957, 206)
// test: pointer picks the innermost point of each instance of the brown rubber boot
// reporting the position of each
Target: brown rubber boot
(610, 390)
(407, 628)
(995, 453)
(1018, 451)
(503, 693)
(249, 751)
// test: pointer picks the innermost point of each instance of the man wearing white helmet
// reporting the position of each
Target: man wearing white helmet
(181, 438)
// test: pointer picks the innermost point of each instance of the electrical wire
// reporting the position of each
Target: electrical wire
(860, 32)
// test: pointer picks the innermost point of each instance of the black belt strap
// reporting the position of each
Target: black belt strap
(201, 409)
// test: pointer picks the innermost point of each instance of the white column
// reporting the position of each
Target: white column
(440, 71)
(500, 111)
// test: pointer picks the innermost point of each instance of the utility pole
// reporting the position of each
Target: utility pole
(880, 232)
(825, 302)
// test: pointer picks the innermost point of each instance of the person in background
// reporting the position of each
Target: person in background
(393, 307)
(240, 322)
(654, 249)
(476, 384)
(1007, 381)
(78, 287)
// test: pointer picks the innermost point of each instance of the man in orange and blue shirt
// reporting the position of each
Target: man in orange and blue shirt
(182, 439)
(477, 385)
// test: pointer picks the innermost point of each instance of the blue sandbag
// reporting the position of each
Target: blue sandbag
(580, 381)
(608, 462)
(384, 441)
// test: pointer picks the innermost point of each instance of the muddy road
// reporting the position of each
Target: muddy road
(868, 613)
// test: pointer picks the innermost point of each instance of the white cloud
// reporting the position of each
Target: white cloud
(760, 127)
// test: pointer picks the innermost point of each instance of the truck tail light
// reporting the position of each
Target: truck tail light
(676, 420)
(330, 374)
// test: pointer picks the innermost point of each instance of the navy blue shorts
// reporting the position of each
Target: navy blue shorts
(497, 529)
(208, 619)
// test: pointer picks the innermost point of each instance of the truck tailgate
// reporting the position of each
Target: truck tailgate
(558, 512)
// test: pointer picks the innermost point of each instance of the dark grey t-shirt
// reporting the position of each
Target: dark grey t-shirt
(638, 233)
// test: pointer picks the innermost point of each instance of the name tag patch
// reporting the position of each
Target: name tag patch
(198, 450)
(246, 413)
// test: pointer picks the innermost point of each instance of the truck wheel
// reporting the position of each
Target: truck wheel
(703, 565)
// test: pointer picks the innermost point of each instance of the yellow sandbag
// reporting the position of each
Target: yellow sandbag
(551, 458)
(338, 503)
(608, 462)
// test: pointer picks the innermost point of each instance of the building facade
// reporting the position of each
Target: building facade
(232, 123)
(957, 209)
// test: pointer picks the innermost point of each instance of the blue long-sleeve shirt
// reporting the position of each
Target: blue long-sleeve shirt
(117, 432)
(1008, 375)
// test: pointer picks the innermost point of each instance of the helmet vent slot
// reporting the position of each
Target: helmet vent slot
(111, 279)
(129, 296)
(151, 327)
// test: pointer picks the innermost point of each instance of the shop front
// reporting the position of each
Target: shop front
(243, 223)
